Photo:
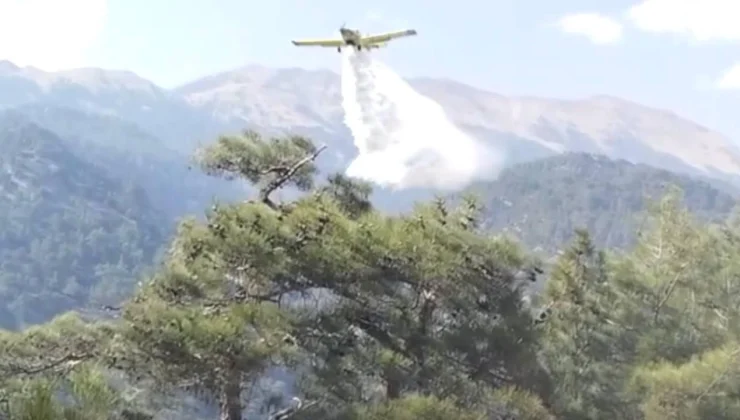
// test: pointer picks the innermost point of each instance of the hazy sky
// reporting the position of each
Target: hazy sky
(675, 54)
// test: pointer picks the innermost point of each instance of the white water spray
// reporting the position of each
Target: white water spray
(405, 139)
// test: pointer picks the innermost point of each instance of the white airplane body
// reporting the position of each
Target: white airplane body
(353, 38)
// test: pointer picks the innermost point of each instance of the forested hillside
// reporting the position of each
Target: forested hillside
(70, 233)
(540, 203)
(132, 155)
(335, 298)
(411, 317)
(543, 202)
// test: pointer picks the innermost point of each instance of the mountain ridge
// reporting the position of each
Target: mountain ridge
(308, 102)
(596, 124)
(542, 202)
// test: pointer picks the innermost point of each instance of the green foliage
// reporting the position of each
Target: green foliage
(514, 402)
(417, 316)
(675, 265)
(37, 402)
(414, 408)
(665, 340)
(260, 161)
(189, 348)
(422, 303)
(351, 195)
(687, 352)
(85, 395)
(700, 388)
(582, 346)
(49, 371)
(53, 347)
(504, 403)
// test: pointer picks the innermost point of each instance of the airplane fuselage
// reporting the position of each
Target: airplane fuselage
(350, 36)
(353, 38)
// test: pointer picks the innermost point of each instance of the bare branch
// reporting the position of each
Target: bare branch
(285, 177)
(289, 412)
(668, 292)
(717, 379)
(66, 361)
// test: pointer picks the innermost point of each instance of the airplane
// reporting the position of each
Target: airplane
(353, 38)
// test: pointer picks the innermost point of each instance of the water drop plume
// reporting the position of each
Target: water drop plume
(405, 139)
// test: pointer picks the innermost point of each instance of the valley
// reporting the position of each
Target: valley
(98, 173)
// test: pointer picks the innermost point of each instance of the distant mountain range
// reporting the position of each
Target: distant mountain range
(308, 102)
(95, 167)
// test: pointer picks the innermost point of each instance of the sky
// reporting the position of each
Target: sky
(681, 55)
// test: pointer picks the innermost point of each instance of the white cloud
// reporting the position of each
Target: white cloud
(598, 28)
(730, 79)
(702, 20)
(50, 34)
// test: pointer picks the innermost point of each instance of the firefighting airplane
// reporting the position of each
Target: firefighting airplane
(353, 38)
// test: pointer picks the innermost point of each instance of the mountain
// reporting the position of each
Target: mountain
(93, 173)
(109, 92)
(71, 233)
(132, 155)
(136, 139)
(542, 202)
(309, 102)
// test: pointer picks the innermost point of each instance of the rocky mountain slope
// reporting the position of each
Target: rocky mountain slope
(308, 102)
(120, 94)
(527, 128)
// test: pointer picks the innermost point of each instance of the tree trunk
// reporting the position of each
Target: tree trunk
(392, 388)
(231, 399)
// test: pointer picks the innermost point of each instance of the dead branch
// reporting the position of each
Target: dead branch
(717, 379)
(284, 177)
(66, 361)
(668, 292)
(289, 412)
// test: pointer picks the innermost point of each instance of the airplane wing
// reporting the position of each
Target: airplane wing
(320, 43)
(376, 39)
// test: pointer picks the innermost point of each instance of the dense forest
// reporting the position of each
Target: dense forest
(130, 154)
(375, 316)
(70, 233)
(543, 202)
